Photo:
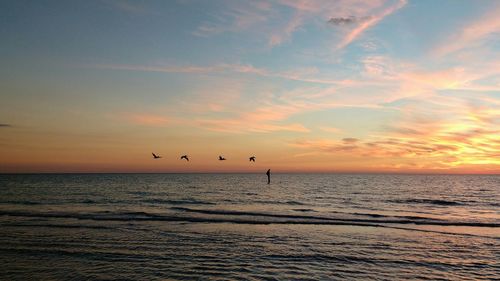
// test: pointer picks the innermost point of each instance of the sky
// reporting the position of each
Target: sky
(389, 86)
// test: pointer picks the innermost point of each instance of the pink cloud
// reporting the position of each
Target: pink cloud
(471, 35)
(237, 17)
(148, 119)
(368, 23)
(300, 74)
(284, 34)
(247, 126)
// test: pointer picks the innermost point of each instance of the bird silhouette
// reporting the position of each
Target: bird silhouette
(155, 156)
(252, 159)
(221, 158)
(185, 157)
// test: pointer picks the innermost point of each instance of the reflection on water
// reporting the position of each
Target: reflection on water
(158, 226)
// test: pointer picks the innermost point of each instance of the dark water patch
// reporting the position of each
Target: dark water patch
(396, 219)
(188, 201)
(140, 193)
(292, 202)
(304, 210)
(57, 226)
(319, 258)
(21, 202)
(385, 216)
(288, 202)
(91, 255)
(427, 201)
(315, 219)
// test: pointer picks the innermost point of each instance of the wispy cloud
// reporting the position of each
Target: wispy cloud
(237, 16)
(276, 38)
(340, 21)
(275, 22)
(472, 34)
(148, 119)
(335, 13)
(301, 74)
(368, 23)
(243, 125)
(425, 137)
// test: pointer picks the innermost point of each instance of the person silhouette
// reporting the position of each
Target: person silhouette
(268, 173)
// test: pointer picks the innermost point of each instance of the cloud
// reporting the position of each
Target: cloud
(248, 126)
(350, 140)
(308, 12)
(301, 74)
(147, 119)
(340, 21)
(237, 16)
(426, 139)
(279, 20)
(473, 34)
(5, 125)
(368, 23)
(284, 34)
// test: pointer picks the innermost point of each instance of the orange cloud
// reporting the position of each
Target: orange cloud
(242, 126)
(300, 74)
(448, 145)
(148, 119)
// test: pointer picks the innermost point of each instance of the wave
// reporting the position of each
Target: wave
(289, 202)
(57, 226)
(384, 218)
(304, 210)
(427, 201)
(188, 201)
(241, 217)
(22, 202)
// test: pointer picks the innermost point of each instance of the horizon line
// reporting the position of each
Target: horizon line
(255, 173)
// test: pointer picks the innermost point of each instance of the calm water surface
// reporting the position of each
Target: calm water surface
(236, 227)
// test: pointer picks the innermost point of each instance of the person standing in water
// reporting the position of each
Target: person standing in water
(268, 176)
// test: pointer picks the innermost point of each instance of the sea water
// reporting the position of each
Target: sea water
(237, 227)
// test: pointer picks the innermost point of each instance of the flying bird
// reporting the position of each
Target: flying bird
(155, 156)
(185, 157)
(221, 158)
(252, 159)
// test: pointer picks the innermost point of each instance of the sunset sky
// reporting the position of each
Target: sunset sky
(305, 86)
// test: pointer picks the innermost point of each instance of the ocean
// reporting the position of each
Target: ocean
(237, 227)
